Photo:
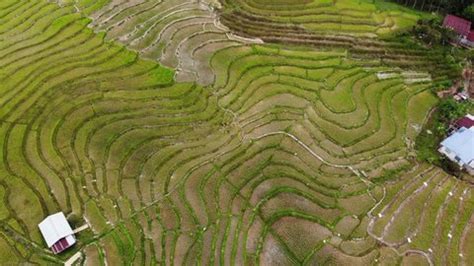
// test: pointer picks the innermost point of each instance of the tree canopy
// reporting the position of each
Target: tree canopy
(463, 8)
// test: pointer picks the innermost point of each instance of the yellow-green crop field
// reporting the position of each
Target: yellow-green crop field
(231, 132)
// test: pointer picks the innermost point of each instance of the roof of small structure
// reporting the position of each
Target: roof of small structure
(461, 143)
(63, 244)
(55, 227)
(470, 37)
(467, 122)
(459, 25)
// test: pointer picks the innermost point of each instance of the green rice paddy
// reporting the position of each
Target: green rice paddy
(182, 136)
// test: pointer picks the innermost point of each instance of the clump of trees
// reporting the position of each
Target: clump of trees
(75, 220)
(468, 12)
(450, 110)
(463, 8)
(432, 32)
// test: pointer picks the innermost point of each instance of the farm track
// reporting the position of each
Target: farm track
(261, 166)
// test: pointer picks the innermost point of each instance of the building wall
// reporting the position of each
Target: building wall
(470, 170)
(450, 155)
(467, 42)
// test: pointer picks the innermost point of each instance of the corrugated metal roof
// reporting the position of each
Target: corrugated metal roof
(63, 244)
(466, 122)
(459, 25)
(55, 227)
(461, 143)
(470, 37)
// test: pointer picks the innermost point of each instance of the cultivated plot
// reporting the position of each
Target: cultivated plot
(269, 153)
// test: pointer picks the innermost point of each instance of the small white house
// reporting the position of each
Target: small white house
(459, 148)
(57, 232)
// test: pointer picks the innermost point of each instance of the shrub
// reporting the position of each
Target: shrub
(75, 220)
(451, 167)
(431, 32)
(450, 110)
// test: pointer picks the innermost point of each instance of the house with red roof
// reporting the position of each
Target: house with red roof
(462, 27)
(470, 39)
(466, 122)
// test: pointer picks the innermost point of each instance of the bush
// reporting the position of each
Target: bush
(451, 167)
(470, 56)
(428, 140)
(469, 12)
(391, 174)
(75, 220)
(431, 32)
(450, 110)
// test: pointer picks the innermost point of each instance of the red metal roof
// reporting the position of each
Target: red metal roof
(465, 122)
(470, 37)
(459, 25)
(60, 246)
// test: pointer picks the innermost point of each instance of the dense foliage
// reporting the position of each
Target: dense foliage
(431, 32)
(458, 7)
(468, 12)
(450, 110)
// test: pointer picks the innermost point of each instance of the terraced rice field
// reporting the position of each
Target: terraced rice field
(180, 142)
(181, 34)
(427, 211)
(365, 29)
(354, 18)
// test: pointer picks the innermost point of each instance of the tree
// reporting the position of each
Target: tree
(468, 12)
(431, 32)
(444, 6)
(450, 109)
